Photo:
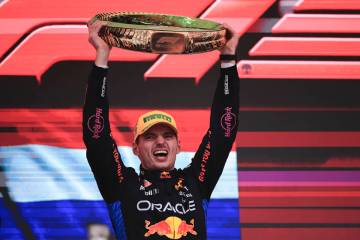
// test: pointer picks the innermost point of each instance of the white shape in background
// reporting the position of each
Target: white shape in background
(43, 173)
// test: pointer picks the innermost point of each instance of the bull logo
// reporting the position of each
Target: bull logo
(179, 184)
(172, 228)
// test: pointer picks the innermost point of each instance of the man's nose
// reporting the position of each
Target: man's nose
(160, 139)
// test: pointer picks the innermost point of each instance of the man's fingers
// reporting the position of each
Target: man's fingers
(99, 25)
(91, 21)
(95, 25)
(229, 27)
(94, 30)
(228, 34)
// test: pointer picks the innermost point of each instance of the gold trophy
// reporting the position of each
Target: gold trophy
(161, 33)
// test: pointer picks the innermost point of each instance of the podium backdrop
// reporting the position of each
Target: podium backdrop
(294, 171)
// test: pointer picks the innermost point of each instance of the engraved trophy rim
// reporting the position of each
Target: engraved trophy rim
(135, 30)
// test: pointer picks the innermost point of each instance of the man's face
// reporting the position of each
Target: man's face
(98, 232)
(157, 148)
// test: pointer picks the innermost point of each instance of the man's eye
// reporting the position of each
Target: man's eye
(148, 137)
(170, 135)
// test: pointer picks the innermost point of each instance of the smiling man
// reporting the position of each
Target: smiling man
(155, 141)
(162, 202)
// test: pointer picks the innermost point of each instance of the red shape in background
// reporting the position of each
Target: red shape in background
(63, 128)
(302, 46)
(51, 44)
(238, 14)
(305, 232)
(298, 139)
(291, 215)
(19, 17)
(318, 23)
(306, 5)
(291, 198)
(274, 69)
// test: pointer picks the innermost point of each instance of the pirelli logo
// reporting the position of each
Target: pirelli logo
(157, 116)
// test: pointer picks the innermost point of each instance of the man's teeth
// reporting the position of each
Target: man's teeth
(160, 153)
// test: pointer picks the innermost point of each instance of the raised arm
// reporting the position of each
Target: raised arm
(102, 152)
(210, 158)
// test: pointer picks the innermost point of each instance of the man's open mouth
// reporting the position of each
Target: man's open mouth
(160, 153)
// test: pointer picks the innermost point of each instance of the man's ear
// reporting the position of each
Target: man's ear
(135, 149)
(178, 147)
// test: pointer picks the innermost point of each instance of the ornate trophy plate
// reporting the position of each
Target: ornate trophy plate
(160, 33)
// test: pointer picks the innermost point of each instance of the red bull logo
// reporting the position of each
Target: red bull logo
(165, 174)
(179, 184)
(172, 227)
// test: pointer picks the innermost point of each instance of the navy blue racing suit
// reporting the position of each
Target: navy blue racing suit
(159, 204)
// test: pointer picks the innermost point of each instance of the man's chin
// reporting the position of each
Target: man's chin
(161, 159)
(164, 165)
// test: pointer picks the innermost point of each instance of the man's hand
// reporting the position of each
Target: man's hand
(101, 47)
(232, 41)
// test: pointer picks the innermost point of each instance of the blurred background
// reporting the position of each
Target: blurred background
(294, 171)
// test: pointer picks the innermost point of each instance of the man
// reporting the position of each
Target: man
(98, 231)
(163, 202)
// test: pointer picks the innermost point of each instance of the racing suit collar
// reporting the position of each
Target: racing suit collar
(157, 174)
